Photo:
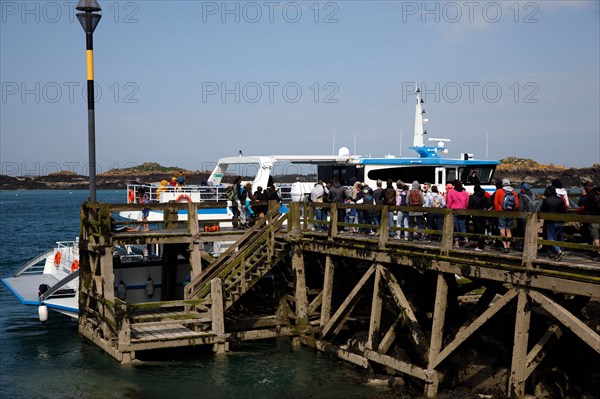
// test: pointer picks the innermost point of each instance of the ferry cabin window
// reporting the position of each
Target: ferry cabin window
(407, 174)
(484, 173)
(343, 173)
(450, 175)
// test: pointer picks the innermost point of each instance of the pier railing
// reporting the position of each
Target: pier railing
(528, 233)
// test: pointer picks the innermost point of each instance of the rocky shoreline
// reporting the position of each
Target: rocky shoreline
(114, 180)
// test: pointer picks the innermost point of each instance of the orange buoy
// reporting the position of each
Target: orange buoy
(57, 258)
(74, 266)
(184, 198)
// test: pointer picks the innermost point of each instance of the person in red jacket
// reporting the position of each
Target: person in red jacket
(504, 203)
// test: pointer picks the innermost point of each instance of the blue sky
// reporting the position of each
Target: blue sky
(183, 83)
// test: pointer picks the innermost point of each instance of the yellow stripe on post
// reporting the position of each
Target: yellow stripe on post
(90, 64)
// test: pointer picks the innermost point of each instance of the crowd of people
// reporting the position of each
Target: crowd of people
(412, 224)
(248, 206)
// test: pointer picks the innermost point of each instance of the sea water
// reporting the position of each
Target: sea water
(53, 361)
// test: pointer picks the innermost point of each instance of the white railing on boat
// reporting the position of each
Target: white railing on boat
(193, 193)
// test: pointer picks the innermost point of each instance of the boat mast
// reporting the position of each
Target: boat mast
(420, 121)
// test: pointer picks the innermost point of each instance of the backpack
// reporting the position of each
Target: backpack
(414, 198)
(435, 201)
(390, 196)
(509, 201)
(230, 193)
(402, 199)
(532, 204)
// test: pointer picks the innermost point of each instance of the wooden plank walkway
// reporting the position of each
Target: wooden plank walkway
(164, 332)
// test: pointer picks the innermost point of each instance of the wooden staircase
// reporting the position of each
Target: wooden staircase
(242, 265)
(196, 320)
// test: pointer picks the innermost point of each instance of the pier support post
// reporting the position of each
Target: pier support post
(437, 332)
(194, 247)
(302, 321)
(447, 233)
(530, 246)
(384, 228)
(333, 221)
(327, 291)
(294, 218)
(518, 368)
(218, 315)
(376, 306)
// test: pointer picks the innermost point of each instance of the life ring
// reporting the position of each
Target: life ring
(74, 266)
(57, 258)
(184, 198)
(130, 196)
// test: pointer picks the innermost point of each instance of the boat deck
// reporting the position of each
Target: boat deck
(26, 287)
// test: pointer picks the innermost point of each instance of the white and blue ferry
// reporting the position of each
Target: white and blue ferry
(428, 165)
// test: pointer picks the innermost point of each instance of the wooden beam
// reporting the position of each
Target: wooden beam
(540, 349)
(402, 366)
(526, 277)
(342, 354)
(327, 290)
(346, 307)
(252, 335)
(389, 337)
(518, 368)
(578, 327)
(195, 259)
(384, 227)
(294, 218)
(376, 305)
(107, 274)
(447, 234)
(315, 303)
(218, 314)
(467, 330)
(333, 222)
(530, 244)
(437, 331)
(416, 333)
(193, 227)
(301, 295)
(218, 317)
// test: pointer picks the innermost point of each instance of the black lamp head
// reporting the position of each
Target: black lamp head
(88, 6)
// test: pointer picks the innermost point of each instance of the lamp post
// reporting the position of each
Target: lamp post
(89, 20)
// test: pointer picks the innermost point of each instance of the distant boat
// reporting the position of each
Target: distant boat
(50, 280)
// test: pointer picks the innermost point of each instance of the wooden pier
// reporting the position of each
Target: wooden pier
(390, 306)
